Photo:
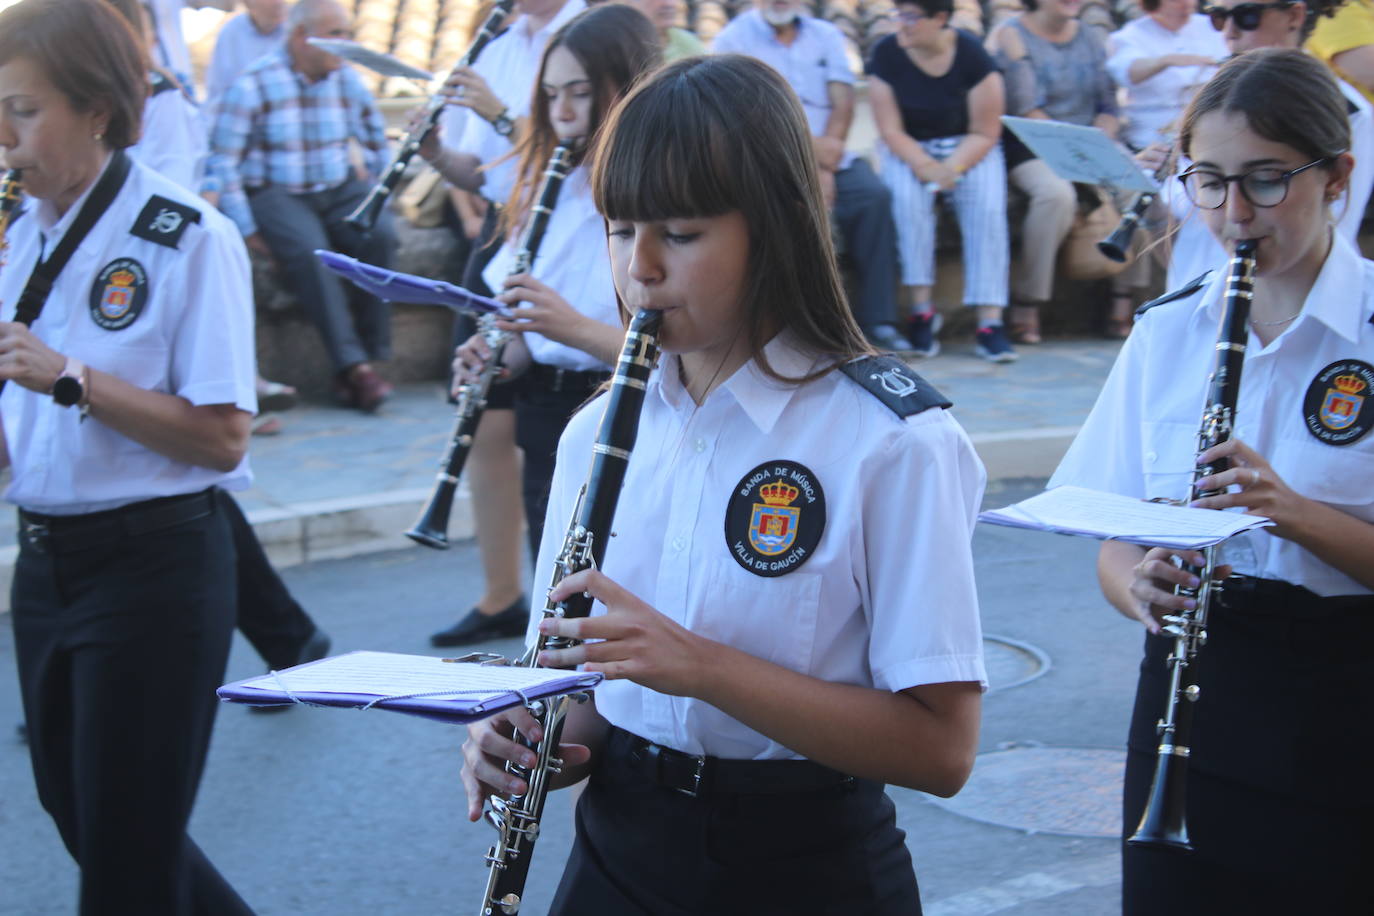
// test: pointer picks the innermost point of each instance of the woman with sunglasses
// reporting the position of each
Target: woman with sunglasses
(1278, 791)
(1248, 26)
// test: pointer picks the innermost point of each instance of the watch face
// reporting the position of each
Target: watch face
(67, 391)
(503, 126)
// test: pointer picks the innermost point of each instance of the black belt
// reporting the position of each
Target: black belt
(60, 534)
(1276, 598)
(698, 776)
(543, 377)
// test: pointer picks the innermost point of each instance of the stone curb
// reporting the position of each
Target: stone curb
(327, 529)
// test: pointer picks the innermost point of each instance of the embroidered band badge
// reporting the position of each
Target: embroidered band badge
(119, 293)
(775, 518)
(1335, 406)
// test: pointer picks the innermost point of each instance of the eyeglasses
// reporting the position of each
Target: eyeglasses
(1262, 187)
(908, 17)
(1247, 15)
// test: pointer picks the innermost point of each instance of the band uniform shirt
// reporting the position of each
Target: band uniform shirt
(886, 598)
(573, 261)
(274, 127)
(816, 58)
(173, 142)
(1195, 250)
(191, 336)
(1151, 107)
(1141, 437)
(510, 65)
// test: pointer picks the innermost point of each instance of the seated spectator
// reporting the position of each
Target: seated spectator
(810, 54)
(1056, 70)
(280, 150)
(938, 98)
(677, 42)
(254, 33)
(1160, 61)
(1345, 42)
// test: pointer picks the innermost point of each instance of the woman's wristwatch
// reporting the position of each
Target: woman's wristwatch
(502, 123)
(70, 387)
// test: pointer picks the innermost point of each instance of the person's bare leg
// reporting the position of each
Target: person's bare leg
(498, 511)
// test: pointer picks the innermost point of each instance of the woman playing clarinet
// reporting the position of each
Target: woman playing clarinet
(1278, 796)
(786, 615)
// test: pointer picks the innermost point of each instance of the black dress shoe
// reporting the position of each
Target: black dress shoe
(312, 650)
(477, 626)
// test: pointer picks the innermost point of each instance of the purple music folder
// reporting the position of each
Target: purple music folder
(421, 685)
(394, 286)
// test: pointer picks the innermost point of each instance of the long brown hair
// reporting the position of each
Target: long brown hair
(615, 44)
(706, 136)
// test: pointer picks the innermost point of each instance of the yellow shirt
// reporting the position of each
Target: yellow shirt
(1351, 27)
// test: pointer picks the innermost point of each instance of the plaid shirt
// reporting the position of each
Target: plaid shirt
(274, 127)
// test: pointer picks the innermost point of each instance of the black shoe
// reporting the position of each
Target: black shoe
(312, 650)
(887, 337)
(477, 626)
(22, 732)
(922, 330)
(991, 343)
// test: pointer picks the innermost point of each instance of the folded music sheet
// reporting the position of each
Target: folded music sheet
(421, 685)
(1089, 513)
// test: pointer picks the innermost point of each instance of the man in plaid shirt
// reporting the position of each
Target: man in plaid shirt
(280, 153)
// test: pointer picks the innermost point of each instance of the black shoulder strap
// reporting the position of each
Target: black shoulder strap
(891, 381)
(44, 275)
(1351, 108)
(1182, 292)
(160, 83)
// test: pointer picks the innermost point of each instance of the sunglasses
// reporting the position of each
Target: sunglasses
(1246, 15)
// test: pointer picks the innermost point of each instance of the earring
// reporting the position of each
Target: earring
(98, 136)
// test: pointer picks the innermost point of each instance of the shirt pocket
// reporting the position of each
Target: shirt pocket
(1338, 475)
(772, 618)
(1168, 458)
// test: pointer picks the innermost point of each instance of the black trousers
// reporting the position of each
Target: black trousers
(1279, 791)
(863, 211)
(544, 403)
(120, 647)
(272, 620)
(645, 850)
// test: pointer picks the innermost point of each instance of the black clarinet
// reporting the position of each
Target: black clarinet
(1164, 821)
(517, 817)
(365, 216)
(431, 528)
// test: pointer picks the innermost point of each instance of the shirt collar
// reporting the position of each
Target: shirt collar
(765, 30)
(760, 396)
(1339, 283)
(50, 224)
(569, 10)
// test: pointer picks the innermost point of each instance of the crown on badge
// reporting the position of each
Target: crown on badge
(778, 494)
(1350, 384)
(123, 278)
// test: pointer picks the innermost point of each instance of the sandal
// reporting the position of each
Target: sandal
(266, 424)
(275, 396)
(1023, 324)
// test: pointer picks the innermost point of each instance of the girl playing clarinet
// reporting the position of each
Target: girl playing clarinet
(1278, 789)
(786, 617)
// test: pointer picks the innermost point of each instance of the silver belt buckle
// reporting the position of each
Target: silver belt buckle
(695, 790)
(36, 534)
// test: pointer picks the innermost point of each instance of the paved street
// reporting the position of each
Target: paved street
(316, 811)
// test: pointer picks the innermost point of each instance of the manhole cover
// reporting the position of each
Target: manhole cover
(1011, 663)
(1073, 791)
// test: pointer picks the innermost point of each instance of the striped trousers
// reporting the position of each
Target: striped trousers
(980, 204)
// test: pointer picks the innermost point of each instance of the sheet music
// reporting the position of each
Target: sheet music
(1110, 516)
(1082, 154)
(389, 674)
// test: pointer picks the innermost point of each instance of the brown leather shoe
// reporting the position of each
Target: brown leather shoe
(368, 388)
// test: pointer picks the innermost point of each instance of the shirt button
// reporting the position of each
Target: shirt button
(679, 544)
(1151, 457)
(700, 445)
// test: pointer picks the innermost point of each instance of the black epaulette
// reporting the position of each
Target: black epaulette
(1183, 292)
(162, 221)
(160, 83)
(891, 381)
(1351, 109)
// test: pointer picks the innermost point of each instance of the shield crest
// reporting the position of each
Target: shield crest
(773, 529)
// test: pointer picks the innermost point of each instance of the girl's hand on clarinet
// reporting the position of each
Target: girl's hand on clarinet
(469, 359)
(466, 87)
(1152, 157)
(489, 747)
(1261, 490)
(1153, 580)
(638, 642)
(541, 310)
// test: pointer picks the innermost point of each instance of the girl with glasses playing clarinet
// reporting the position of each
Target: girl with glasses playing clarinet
(787, 617)
(1278, 798)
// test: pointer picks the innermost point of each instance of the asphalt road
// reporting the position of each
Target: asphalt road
(315, 811)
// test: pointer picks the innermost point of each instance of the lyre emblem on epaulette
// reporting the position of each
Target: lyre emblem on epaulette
(894, 382)
(166, 221)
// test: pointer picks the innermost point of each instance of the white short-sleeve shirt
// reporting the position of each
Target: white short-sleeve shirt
(815, 59)
(238, 44)
(183, 325)
(175, 141)
(509, 64)
(1153, 106)
(574, 261)
(1141, 437)
(886, 597)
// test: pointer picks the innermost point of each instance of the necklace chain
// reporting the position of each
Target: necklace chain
(1270, 324)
